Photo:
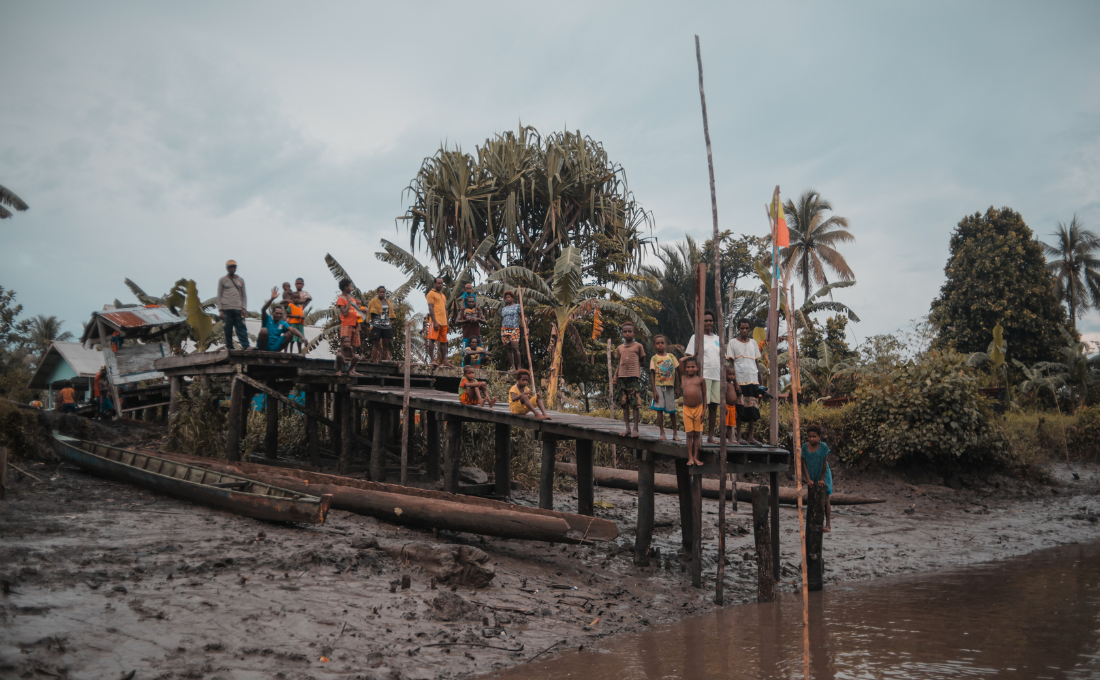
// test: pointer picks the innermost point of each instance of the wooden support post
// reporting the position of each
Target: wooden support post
(773, 481)
(452, 453)
(546, 476)
(356, 416)
(697, 531)
(765, 577)
(338, 399)
(683, 486)
(173, 395)
(379, 416)
(502, 473)
(431, 446)
(815, 528)
(347, 443)
(271, 436)
(644, 534)
(586, 493)
(236, 409)
(313, 440)
(3, 472)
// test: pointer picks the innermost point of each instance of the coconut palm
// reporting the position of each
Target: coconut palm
(566, 298)
(814, 239)
(7, 198)
(45, 330)
(1076, 268)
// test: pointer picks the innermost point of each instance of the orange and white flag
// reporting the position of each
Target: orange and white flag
(782, 235)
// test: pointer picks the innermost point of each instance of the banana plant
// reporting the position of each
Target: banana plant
(825, 369)
(1042, 375)
(993, 357)
(565, 298)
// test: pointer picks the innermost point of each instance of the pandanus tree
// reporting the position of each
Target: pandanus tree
(533, 195)
(1076, 268)
(565, 298)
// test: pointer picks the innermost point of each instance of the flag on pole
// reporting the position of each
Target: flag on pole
(782, 234)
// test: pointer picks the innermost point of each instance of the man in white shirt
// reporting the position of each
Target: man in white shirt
(712, 368)
(745, 353)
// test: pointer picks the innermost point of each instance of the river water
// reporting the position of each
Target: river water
(1036, 616)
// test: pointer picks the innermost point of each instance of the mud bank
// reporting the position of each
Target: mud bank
(102, 580)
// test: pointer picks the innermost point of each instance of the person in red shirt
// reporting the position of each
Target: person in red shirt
(350, 313)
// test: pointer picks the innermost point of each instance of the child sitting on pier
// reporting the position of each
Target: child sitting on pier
(663, 376)
(628, 379)
(519, 397)
(474, 392)
(694, 389)
(815, 468)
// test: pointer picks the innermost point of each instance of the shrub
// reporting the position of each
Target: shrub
(926, 410)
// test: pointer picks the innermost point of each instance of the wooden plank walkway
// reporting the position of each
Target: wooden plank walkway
(740, 459)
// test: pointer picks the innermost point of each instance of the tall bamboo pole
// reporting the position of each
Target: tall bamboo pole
(527, 341)
(405, 409)
(773, 385)
(796, 385)
(720, 327)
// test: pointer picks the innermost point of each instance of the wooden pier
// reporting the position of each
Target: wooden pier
(379, 390)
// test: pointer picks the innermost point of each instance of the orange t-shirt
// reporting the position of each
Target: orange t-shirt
(68, 396)
(349, 317)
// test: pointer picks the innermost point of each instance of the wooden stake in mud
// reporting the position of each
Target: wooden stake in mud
(405, 415)
(696, 478)
(527, 341)
(765, 577)
(773, 385)
(611, 402)
(720, 327)
(792, 350)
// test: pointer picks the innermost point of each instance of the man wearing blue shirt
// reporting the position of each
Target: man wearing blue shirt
(276, 332)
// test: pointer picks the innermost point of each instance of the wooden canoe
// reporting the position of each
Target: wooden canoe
(426, 508)
(232, 493)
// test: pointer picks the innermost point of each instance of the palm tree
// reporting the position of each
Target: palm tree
(1075, 267)
(813, 241)
(45, 330)
(10, 199)
(566, 298)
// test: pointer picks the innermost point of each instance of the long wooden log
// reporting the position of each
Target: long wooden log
(628, 479)
(425, 507)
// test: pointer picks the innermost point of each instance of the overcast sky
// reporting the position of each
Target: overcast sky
(156, 140)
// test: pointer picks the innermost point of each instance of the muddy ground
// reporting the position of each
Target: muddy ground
(104, 580)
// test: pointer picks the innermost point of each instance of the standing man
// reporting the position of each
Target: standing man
(437, 328)
(712, 368)
(744, 352)
(232, 303)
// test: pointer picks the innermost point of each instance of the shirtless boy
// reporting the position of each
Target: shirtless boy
(628, 379)
(694, 389)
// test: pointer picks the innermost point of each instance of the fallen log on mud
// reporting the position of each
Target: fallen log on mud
(628, 479)
(426, 508)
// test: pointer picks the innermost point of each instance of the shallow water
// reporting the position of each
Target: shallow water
(1036, 616)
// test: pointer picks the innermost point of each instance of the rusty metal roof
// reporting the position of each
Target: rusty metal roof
(132, 319)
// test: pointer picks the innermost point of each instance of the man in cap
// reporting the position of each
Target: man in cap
(232, 303)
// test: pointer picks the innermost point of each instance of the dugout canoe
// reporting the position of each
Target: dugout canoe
(221, 490)
(426, 508)
(628, 479)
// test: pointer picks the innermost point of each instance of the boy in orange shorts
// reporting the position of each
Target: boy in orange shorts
(437, 329)
(474, 392)
(731, 404)
(694, 389)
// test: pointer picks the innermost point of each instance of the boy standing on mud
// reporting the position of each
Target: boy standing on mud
(628, 379)
(664, 376)
(694, 388)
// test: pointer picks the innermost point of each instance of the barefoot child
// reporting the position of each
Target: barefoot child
(349, 330)
(694, 389)
(732, 392)
(628, 379)
(519, 397)
(509, 329)
(664, 376)
(815, 468)
(474, 392)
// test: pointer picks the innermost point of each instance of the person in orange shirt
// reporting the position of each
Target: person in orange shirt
(350, 313)
(437, 328)
(68, 398)
(474, 392)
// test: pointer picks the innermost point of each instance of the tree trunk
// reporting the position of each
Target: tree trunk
(555, 372)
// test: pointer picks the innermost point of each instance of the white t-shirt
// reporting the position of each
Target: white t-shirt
(712, 356)
(744, 355)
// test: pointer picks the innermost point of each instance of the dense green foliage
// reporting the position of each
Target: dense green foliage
(17, 344)
(926, 410)
(997, 274)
